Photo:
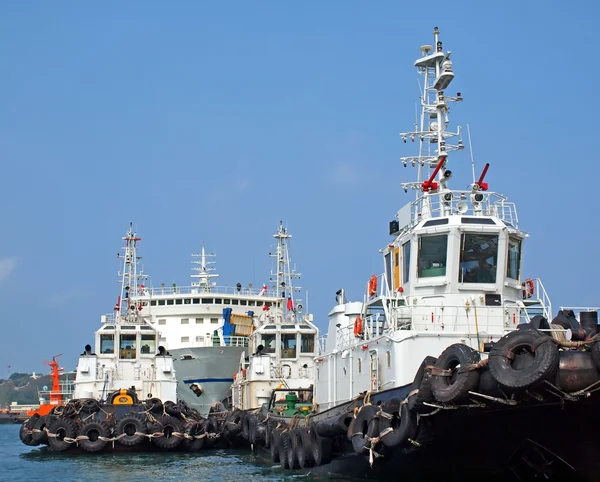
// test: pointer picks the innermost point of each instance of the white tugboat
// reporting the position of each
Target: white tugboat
(449, 368)
(282, 345)
(127, 354)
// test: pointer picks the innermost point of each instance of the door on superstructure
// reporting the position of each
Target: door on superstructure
(374, 371)
(396, 268)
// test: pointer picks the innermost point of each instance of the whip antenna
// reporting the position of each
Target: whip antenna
(471, 150)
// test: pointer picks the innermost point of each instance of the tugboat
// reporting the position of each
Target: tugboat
(125, 391)
(277, 372)
(452, 366)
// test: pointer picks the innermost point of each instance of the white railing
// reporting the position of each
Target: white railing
(322, 345)
(461, 203)
(198, 290)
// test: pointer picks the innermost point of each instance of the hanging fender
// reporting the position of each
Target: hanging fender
(373, 285)
(358, 327)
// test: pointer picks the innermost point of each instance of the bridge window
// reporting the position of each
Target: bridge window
(288, 346)
(478, 258)
(127, 347)
(148, 345)
(307, 343)
(107, 343)
(405, 262)
(432, 255)
(268, 341)
(513, 267)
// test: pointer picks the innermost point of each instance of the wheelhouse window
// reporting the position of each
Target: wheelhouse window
(268, 341)
(432, 255)
(148, 345)
(107, 343)
(513, 267)
(288, 346)
(127, 347)
(478, 258)
(307, 343)
(405, 262)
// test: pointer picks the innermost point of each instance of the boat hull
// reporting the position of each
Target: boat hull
(211, 369)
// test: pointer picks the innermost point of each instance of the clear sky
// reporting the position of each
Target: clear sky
(211, 121)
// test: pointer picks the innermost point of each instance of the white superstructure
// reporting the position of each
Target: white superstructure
(282, 344)
(126, 347)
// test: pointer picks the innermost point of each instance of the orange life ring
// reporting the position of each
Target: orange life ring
(358, 328)
(373, 285)
(528, 288)
(234, 376)
(243, 373)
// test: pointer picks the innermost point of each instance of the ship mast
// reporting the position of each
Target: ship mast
(204, 270)
(432, 130)
(284, 273)
(126, 308)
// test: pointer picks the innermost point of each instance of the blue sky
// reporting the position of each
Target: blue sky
(210, 122)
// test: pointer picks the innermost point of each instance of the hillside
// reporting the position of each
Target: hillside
(23, 389)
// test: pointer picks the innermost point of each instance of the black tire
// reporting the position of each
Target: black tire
(285, 445)
(172, 409)
(132, 426)
(25, 433)
(404, 423)
(455, 388)
(358, 431)
(63, 428)
(209, 428)
(520, 342)
(274, 438)
(321, 449)
(40, 437)
(295, 448)
(423, 383)
(89, 406)
(246, 423)
(193, 444)
(169, 426)
(154, 405)
(596, 354)
(233, 423)
(306, 459)
(94, 430)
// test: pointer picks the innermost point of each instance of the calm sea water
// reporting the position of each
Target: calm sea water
(18, 462)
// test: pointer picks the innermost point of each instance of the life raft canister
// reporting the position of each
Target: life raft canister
(528, 288)
(373, 285)
(358, 328)
(123, 397)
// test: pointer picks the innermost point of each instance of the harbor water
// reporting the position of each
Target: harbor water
(18, 462)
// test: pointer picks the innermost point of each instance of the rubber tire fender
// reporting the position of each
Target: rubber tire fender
(63, 427)
(172, 409)
(94, 430)
(275, 436)
(167, 425)
(246, 425)
(423, 383)
(209, 428)
(26, 426)
(305, 459)
(234, 422)
(89, 406)
(193, 429)
(502, 354)
(296, 446)
(404, 421)
(285, 445)
(154, 405)
(358, 431)
(596, 354)
(321, 449)
(41, 437)
(455, 388)
(129, 425)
